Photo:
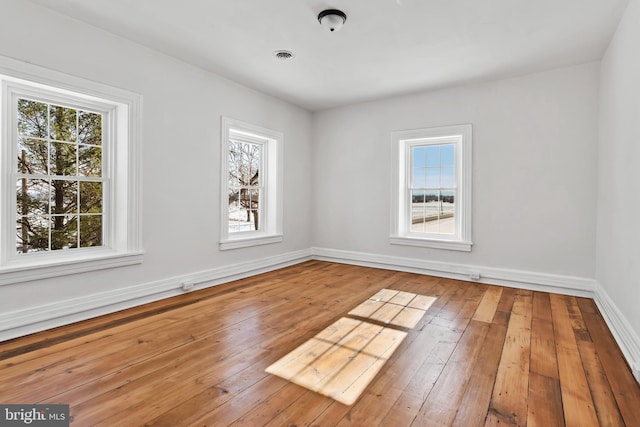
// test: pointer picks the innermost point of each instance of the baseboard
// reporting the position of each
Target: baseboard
(23, 322)
(625, 336)
(567, 285)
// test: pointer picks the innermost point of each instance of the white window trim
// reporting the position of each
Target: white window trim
(401, 141)
(271, 219)
(123, 239)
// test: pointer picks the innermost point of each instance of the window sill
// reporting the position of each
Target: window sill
(25, 272)
(250, 241)
(431, 243)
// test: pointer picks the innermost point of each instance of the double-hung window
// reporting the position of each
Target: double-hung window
(252, 185)
(432, 187)
(69, 183)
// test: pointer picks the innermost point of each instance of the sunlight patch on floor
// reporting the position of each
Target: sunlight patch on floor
(342, 359)
(397, 308)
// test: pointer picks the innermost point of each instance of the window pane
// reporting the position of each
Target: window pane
(417, 209)
(234, 162)
(90, 197)
(64, 196)
(419, 156)
(32, 118)
(237, 215)
(447, 155)
(90, 230)
(63, 159)
(32, 196)
(63, 124)
(32, 234)
(234, 175)
(255, 166)
(90, 161)
(447, 212)
(419, 177)
(254, 207)
(245, 203)
(433, 156)
(89, 128)
(431, 205)
(433, 178)
(431, 226)
(417, 197)
(234, 195)
(32, 156)
(64, 232)
(447, 178)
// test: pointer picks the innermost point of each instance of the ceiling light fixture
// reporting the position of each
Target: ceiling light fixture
(332, 19)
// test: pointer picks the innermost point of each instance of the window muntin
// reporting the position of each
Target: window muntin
(59, 181)
(431, 187)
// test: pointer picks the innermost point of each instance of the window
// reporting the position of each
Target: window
(252, 185)
(69, 182)
(432, 187)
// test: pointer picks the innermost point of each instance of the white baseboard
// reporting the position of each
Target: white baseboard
(625, 336)
(567, 285)
(34, 319)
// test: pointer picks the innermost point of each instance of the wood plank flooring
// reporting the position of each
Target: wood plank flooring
(480, 356)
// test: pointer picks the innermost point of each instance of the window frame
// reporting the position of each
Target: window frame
(271, 200)
(402, 143)
(122, 234)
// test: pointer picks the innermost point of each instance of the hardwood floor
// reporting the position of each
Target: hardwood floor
(481, 356)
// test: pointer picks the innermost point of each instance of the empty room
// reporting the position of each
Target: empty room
(323, 213)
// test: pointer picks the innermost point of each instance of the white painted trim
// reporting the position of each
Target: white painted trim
(568, 285)
(252, 241)
(452, 245)
(627, 339)
(34, 319)
(65, 267)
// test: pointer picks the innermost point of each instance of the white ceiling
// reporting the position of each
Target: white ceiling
(386, 47)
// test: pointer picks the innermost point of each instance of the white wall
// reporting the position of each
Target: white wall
(534, 180)
(618, 220)
(182, 106)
